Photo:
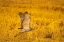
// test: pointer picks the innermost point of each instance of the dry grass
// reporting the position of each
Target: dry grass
(47, 19)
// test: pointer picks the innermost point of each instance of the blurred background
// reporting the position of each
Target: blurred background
(47, 19)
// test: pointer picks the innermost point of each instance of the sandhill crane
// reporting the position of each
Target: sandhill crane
(25, 17)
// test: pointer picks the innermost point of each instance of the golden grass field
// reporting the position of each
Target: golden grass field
(47, 19)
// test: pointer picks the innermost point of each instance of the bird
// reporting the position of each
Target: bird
(25, 17)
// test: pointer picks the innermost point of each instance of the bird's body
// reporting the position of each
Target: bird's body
(25, 20)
